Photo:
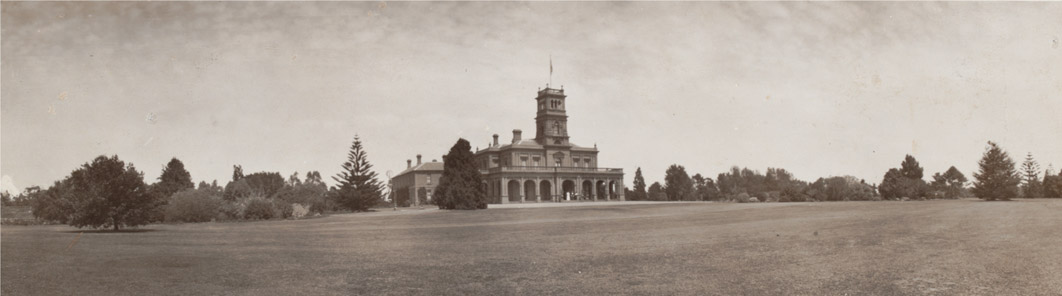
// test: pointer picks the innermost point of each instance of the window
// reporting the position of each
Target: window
(429, 179)
(523, 160)
(534, 161)
(558, 162)
(429, 194)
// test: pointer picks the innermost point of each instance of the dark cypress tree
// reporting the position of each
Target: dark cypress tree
(174, 178)
(996, 178)
(461, 186)
(357, 186)
(639, 192)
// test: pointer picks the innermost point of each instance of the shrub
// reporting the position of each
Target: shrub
(299, 211)
(258, 208)
(313, 196)
(193, 205)
(230, 210)
(281, 209)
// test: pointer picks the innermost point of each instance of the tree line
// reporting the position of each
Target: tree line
(997, 179)
(110, 193)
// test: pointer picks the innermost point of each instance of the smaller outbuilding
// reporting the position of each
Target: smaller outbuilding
(415, 185)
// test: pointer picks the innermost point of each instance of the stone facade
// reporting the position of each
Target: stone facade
(548, 167)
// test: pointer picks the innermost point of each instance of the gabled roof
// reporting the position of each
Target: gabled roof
(434, 166)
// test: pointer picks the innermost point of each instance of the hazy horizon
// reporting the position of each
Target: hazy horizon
(819, 89)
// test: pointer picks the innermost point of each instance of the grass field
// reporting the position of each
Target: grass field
(957, 247)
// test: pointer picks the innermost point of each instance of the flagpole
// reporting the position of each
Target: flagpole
(550, 71)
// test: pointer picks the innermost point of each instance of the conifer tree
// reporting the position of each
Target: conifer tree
(1031, 171)
(357, 188)
(174, 178)
(461, 186)
(639, 192)
(996, 177)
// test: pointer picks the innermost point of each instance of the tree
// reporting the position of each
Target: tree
(905, 181)
(951, 183)
(237, 173)
(1031, 184)
(174, 178)
(639, 192)
(103, 193)
(264, 184)
(996, 177)
(1052, 186)
(704, 188)
(891, 187)
(460, 187)
(910, 168)
(656, 192)
(294, 179)
(678, 183)
(357, 186)
(314, 177)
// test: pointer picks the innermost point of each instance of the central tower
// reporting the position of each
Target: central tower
(551, 124)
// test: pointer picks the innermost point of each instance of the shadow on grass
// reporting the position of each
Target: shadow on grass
(134, 230)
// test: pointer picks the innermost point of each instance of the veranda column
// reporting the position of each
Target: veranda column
(593, 189)
(523, 191)
(504, 190)
(538, 189)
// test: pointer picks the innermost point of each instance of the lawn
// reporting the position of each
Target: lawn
(956, 247)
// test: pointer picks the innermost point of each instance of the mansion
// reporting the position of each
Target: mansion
(548, 167)
(543, 169)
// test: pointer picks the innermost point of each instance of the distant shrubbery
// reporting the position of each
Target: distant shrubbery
(107, 192)
(194, 205)
(778, 185)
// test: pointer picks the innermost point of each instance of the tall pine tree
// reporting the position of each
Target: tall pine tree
(461, 186)
(996, 178)
(639, 192)
(357, 188)
(1031, 172)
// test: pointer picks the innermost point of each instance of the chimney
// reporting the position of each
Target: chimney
(495, 140)
(409, 163)
(434, 160)
(418, 159)
(516, 136)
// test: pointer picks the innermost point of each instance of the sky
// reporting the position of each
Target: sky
(820, 89)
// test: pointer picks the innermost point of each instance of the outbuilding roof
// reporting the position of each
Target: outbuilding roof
(434, 166)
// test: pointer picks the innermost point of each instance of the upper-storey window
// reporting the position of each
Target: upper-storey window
(429, 179)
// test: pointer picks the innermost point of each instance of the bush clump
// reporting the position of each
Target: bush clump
(193, 205)
(257, 208)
